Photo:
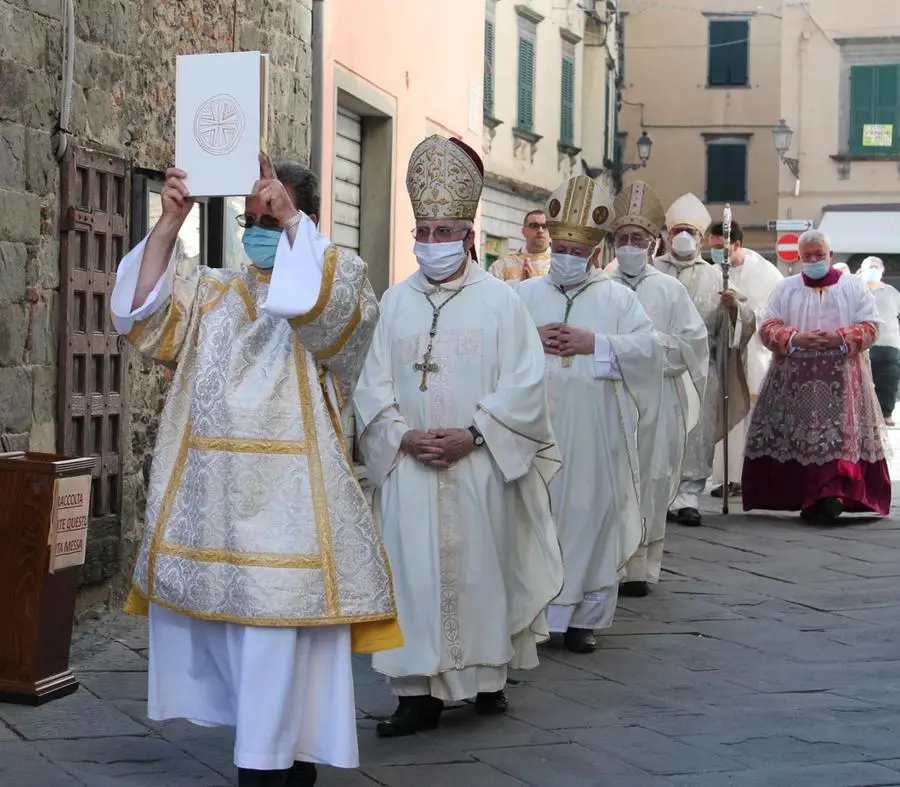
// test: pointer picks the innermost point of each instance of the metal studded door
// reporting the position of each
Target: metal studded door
(93, 392)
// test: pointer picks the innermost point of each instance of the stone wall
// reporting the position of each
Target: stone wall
(123, 102)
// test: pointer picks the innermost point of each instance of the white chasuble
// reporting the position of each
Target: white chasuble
(756, 280)
(603, 407)
(473, 548)
(704, 284)
(684, 337)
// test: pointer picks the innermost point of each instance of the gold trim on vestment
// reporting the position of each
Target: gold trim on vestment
(138, 603)
(220, 290)
(317, 482)
(232, 558)
(166, 508)
(560, 231)
(338, 344)
(328, 272)
(586, 210)
(246, 446)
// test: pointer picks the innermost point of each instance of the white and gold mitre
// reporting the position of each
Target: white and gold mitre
(580, 210)
(444, 179)
(639, 205)
(688, 211)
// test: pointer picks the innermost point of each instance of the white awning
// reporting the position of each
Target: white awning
(863, 232)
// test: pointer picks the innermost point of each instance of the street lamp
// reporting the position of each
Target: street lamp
(782, 135)
(644, 147)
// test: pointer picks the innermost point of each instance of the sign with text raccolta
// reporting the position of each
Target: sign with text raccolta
(68, 528)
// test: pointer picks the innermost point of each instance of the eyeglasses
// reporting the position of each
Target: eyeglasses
(440, 234)
(537, 225)
(637, 239)
(248, 220)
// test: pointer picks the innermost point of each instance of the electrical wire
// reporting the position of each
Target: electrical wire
(68, 77)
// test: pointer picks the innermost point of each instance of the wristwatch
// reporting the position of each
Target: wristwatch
(477, 436)
(294, 220)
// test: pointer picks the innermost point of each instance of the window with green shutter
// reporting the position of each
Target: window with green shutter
(488, 68)
(726, 170)
(874, 109)
(729, 53)
(567, 102)
(525, 106)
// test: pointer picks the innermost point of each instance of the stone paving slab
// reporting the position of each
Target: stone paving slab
(766, 656)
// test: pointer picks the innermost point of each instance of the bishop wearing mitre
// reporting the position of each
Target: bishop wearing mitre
(730, 324)
(455, 430)
(604, 373)
(639, 219)
(261, 567)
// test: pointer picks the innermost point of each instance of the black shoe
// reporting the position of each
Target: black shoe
(580, 640)
(413, 714)
(734, 490)
(491, 703)
(634, 589)
(690, 517)
(302, 774)
(251, 778)
(823, 512)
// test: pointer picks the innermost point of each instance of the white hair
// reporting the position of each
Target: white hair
(814, 236)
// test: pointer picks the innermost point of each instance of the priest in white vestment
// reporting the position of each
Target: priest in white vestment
(604, 380)
(261, 567)
(755, 278)
(452, 410)
(639, 217)
(724, 312)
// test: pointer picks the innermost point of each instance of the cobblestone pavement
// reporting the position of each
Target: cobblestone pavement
(767, 656)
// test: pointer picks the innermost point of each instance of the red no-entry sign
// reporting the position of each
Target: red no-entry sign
(788, 247)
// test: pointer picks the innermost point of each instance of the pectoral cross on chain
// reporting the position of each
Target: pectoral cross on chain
(427, 365)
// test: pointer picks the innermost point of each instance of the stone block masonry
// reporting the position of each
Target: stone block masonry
(123, 103)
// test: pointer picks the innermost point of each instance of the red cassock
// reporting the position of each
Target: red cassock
(817, 431)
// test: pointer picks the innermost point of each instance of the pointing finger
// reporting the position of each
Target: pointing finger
(265, 167)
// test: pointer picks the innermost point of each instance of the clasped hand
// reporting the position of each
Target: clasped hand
(817, 340)
(439, 448)
(566, 340)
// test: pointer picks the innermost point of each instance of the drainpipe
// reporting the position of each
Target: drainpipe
(316, 100)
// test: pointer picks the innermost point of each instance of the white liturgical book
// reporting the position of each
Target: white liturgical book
(221, 103)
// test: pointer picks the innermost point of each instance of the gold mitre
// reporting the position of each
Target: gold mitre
(444, 179)
(639, 205)
(688, 211)
(580, 210)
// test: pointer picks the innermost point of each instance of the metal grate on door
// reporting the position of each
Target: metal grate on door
(93, 393)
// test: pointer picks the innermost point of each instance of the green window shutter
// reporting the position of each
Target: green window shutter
(726, 172)
(525, 113)
(862, 104)
(567, 103)
(488, 68)
(729, 53)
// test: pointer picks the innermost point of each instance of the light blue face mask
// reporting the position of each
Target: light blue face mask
(816, 270)
(260, 246)
(718, 255)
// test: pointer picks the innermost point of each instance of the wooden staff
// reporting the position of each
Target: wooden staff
(726, 268)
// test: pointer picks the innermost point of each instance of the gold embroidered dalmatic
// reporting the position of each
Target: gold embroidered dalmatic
(254, 515)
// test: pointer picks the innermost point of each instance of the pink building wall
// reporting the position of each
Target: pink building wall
(422, 57)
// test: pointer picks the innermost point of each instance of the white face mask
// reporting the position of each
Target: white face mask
(872, 275)
(567, 270)
(439, 261)
(684, 244)
(632, 260)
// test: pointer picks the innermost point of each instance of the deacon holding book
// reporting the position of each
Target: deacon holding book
(261, 568)
(456, 432)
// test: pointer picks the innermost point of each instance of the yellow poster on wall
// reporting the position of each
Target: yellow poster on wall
(877, 135)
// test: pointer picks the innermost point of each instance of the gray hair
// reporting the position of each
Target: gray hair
(814, 236)
(303, 184)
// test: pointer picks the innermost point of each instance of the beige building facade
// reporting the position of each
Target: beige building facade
(703, 79)
(548, 106)
(840, 96)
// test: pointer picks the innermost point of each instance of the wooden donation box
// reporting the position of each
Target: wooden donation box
(44, 508)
